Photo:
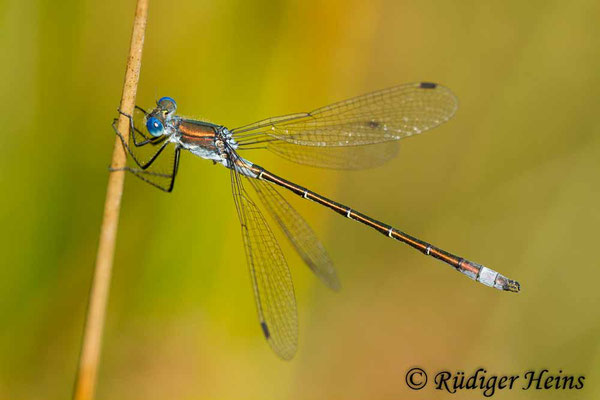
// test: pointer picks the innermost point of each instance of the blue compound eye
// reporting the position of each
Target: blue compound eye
(154, 126)
(167, 103)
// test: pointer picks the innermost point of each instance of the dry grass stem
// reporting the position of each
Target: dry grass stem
(92, 337)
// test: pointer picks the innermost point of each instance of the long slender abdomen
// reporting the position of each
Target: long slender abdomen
(473, 270)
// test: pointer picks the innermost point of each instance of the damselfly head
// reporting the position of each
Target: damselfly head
(159, 117)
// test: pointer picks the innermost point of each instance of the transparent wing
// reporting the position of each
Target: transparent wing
(269, 273)
(349, 157)
(298, 232)
(382, 116)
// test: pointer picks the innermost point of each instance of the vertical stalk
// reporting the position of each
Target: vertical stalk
(85, 381)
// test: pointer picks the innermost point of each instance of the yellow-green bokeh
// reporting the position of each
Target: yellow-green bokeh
(510, 182)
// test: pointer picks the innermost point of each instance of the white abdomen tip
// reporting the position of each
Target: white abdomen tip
(487, 276)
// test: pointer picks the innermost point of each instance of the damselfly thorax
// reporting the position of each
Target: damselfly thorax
(204, 139)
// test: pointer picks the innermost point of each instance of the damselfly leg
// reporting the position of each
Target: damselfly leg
(162, 181)
(134, 131)
(156, 158)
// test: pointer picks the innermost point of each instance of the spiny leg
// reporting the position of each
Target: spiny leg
(146, 175)
(140, 164)
(148, 139)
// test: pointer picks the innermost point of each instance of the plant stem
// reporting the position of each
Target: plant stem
(92, 337)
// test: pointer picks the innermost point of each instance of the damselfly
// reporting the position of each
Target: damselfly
(351, 134)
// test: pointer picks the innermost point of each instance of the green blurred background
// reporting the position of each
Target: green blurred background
(510, 182)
